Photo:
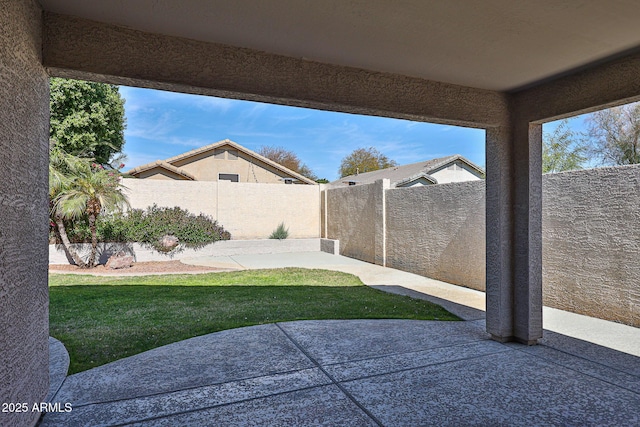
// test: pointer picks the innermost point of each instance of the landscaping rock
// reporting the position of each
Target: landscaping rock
(116, 262)
(168, 242)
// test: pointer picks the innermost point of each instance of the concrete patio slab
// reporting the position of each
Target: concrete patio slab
(597, 331)
(322, 406)
(209, 359)
(355, 372)
(620, 360)
(332, 343)
(189, 400)
(411, 360)
(508, 388)
(623, 376)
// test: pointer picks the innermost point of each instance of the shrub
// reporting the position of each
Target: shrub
(280, 233)
(113, 228)
(192, 231)
(149, 226)
(109, 228)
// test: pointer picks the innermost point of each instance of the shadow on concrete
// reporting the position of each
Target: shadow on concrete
(462, 311)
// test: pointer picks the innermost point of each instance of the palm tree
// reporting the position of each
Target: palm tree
(77, 188)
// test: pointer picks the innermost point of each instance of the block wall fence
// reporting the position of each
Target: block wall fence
(246, 210)
(591, 235)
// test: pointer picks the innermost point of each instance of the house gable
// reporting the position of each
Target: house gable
(225, 158)
(415, 181)
(456, 170)
(160, 170)
(160, 173)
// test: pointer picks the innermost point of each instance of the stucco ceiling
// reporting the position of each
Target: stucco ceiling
(490, 44)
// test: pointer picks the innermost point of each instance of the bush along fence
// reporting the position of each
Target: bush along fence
(151, 228)
(591, 235)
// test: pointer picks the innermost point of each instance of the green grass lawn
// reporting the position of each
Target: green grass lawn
(102, 319)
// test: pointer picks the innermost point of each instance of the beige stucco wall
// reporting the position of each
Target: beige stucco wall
(591, 236)
(24, 142)
(438, 231)
(206, 167)
(197, 197)
(354, 218)
(591, 242)
(246, 210)
(257, 209)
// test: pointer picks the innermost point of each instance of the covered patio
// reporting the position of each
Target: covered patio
(503, 66)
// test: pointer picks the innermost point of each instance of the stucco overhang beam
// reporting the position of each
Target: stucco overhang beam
(78, 48)
(604, 85)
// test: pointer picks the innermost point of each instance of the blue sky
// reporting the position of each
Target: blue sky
(576, 123)
(164, 124)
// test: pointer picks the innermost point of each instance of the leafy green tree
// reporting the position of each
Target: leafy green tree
(364, 160)
(81, 190)
(563, 149)
(615, 134)
(288, 159)
(87, 119)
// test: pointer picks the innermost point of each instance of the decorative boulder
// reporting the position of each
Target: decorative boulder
(119, 261)
(168, 242)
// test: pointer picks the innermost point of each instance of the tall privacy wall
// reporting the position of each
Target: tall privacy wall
(591, 236)
(591, 242)
(356, 218)
(246, 210)
(438, 231)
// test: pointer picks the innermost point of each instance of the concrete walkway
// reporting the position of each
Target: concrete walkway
(466, 303)
(360, 372)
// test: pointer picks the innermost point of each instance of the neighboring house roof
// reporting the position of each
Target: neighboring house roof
(161, 164)
(411, 179)
(225, 142)
(405, 174)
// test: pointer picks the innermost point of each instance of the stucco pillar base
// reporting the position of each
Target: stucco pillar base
(513, 339)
